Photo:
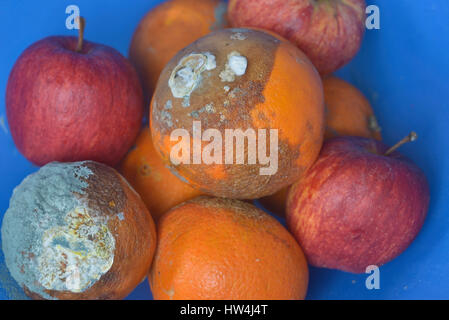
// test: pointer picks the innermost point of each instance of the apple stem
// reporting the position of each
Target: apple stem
(411, 137)
(81, 24)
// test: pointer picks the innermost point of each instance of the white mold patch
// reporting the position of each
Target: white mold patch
(76, 255)
(210, 62)
(238, 64)
(187, 74)
(208, 108)
(238, 36)
(235, 66)
(168, 105)
(167, 118)
(186, 102)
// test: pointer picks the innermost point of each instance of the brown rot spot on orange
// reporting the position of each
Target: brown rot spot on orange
(257, 84)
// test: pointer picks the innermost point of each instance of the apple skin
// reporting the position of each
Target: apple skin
(67, 106)
(356, 207)
(329, 32)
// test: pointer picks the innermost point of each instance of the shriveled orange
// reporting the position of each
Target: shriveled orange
(215, 248)
(168, 28)
(273, 86)
(158, 187)
(348, 111)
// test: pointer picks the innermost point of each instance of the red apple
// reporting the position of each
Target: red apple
(359, 205)
(71, 100)
(328, 31)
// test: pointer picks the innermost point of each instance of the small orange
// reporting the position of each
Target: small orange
(158, 187)
(348, 111)
(215, 248)
(168, 28)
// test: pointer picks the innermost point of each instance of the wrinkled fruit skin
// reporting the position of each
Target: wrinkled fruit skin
(356, 207)
(329, 32)
(67, 106)
(168, 28)
(68, 220)
(280, 90)
(216, 248)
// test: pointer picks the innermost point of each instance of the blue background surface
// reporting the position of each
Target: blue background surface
(403, 69)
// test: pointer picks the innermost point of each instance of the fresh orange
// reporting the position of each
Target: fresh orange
(215, 248)
(158, 187)
(168, 28)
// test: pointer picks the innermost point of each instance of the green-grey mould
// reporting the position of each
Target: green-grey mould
(39, 203)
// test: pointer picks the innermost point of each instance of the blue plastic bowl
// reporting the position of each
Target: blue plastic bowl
(403, 69)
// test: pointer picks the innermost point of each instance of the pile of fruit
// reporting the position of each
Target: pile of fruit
(243, 107)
